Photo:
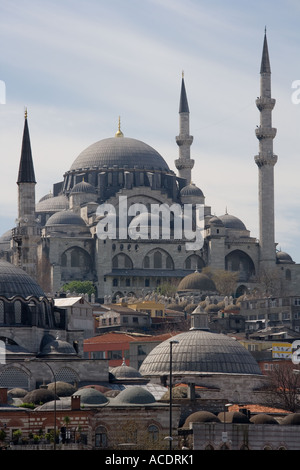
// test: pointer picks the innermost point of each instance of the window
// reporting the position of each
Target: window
(147, 282)
(157, 260)
(115, 282)
(153, 432)
(18, 311)
(101, 437)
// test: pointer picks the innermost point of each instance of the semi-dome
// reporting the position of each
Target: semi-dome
(65, 218)
(122, 152)
(196, 282)
(83, 187)
(52, 204)
(15, 281)
(200, 351)
(232, 222)
(58, 347)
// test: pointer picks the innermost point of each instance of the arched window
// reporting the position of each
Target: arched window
(157, 260)
(146, 263)
(2, 317)
(101, 437)
(169, 263)
(153, 432)
(18, 311)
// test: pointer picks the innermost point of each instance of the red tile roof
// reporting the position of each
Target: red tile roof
(119, 337)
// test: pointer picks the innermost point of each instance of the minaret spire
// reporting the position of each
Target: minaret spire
(266, 161)
(184, 140)
(26, 170)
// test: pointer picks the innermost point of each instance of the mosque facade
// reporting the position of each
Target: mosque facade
(68, 234)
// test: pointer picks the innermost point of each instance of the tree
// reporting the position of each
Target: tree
(79, 287)
(283, 386)
(225, 281)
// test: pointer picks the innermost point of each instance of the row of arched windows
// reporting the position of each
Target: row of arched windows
(157, 259)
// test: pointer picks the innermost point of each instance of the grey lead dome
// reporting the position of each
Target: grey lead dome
(200, 351)
(121, 152)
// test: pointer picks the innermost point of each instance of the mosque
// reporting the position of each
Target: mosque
(62, 238)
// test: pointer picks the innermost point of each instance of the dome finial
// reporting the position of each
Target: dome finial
(119, 133)
(25, 113)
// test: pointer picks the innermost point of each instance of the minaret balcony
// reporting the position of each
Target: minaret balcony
(184, 139)
(265, 132)
(265, 159)
(265, 103)
(183, 164)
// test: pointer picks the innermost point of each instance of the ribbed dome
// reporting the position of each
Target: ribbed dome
(200, 351)
(65, 218)
(124, 152)
(15, 281)
(196, 282)
(83, 187)
(191, 190)
(230, 221)
(59, 347)
(52, 204)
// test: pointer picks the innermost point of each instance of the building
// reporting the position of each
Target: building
(63, 236)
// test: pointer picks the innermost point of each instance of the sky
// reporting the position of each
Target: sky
(77, 65)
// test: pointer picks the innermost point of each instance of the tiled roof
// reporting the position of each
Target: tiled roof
(258, 409)
(117, 337)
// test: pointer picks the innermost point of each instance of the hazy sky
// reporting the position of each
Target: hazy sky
(77, 65)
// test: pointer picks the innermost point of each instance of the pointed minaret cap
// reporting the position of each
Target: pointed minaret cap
(183, 105)
(26, 170)
(265, 61)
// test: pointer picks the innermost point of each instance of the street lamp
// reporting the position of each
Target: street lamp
(170, 427)
(54, 377)
(224, 432)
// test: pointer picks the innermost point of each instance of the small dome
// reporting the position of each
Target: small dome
(232, 222)
(191, 190)
(15, 281)
(17, 392)
(63, 389)
(91, 397)
(292, 419)
(65, 218)
(52, 204)
(201, 417)
(125, 372)
(134, 395)
(58, 346)
(263, 418)
(196, 282)
(38, 396)
(47, 196)
(83, 187)
(216, 221)
(284, 258)
(233, 417)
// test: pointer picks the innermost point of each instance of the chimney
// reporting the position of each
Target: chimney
(75, 402)
(3, 396)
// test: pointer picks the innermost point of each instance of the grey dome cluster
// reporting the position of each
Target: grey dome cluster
(200, 351)
(121, 152)
(232, 222)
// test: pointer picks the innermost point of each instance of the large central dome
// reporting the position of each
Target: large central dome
(121, 152)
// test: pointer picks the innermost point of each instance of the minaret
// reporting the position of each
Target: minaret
(265, 161)
(184, 140)
(26, 233)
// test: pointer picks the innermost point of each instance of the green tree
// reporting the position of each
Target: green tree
(79, 287)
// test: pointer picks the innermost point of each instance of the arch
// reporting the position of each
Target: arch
(12, 377)
(157, 260)
(194, 262)
(67, 374)
(153, 432)
(121, 261)
(241, 290)
(238, 261)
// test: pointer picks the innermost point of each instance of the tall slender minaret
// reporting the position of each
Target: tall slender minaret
(265, 161)
(26, 233)
(184, 140)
